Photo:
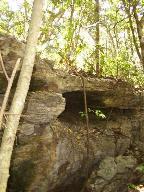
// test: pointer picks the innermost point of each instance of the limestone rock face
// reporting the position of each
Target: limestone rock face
(42, 107)
(11, 50)
(52, 151)
(110, 169)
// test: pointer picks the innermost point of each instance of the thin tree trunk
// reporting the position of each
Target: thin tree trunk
(20, 95)
(114, 51)
(97, 39)
(71, 27)
(117, 49)
(140, 26)
(131, 43)
(132, 29)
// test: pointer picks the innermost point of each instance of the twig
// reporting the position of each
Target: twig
(87, 129)
(10, 82)
(3, 67)
(87, 126)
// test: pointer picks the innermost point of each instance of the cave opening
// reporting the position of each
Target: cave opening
(98, 111)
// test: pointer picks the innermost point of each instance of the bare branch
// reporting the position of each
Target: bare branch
(10, 82)
(3, 67)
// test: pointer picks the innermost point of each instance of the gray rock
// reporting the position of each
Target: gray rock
(125, 162)
(107, 168)
(42, 107)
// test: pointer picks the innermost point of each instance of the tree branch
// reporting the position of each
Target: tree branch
(10, 82)
(3, 67)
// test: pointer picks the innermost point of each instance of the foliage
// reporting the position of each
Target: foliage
(131, 186)
(15, 22)
(82, 114)
(97, 112)
(140, 168)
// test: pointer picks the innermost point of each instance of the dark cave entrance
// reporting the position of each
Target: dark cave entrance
(95, 104)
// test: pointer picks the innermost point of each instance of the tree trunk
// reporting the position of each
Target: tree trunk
(97, 39)
(127, 10)
(140, 27)
(131, 44)
(20, 95)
